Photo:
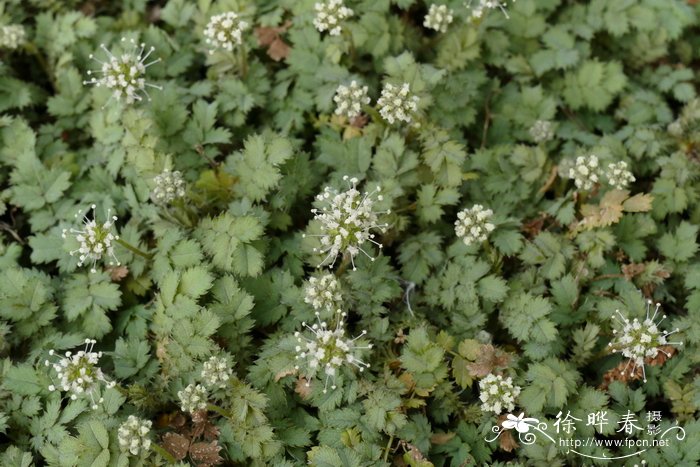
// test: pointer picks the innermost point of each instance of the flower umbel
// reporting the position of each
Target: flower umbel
(326, 350)
(169, 187)
(472, 225)
(397, 103)
(350, 99)
(12, 36)
(347, 222)
(541, 131)
(193, 398)
(585, 172)
(216, 372)
(124, 75)
(225, 31)
(497, 393)
(482, 5)
(439, 17)
(323, 293)
(133, 435)
(639, 340)
(618, 176)
(95, 240)
(79, 374)
(329, 16)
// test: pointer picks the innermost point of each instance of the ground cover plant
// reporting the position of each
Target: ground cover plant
(349, 232)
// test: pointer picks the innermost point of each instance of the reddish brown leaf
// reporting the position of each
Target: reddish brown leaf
(118, 273)
(278, 50)
(507, 441)
(176, 444)
(632, 269)
(303, 388)
(206, 454)
(489, 358)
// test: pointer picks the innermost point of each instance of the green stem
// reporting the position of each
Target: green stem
(133, 249)
(163, 453)
(343, 266)
(243, 61)
(219, 410)
(388, 448)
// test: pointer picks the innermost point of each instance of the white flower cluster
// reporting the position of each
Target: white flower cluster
(95, 240)
(585, 172)
(347, 222)
(482, 5)
(326, 350)
(193, 398)
(133, 435)
(472, 225)
(618, 176)
(12, 36)
(350, 99)
(216, 372)
(329, 16)
(323, 293)
(124, 75)
(225, 31)
(542, 131)
(439, 17)
(639, 340)
(169, 187)
(79, 374)
(497, 393)
(397, 103)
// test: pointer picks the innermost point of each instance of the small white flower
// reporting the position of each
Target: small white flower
(124, 75)
(350, 99)
(79, 374)
(95, 240)
(497, 393)
(397, 103)
(323, 293)
(326, 350)
(12, 36)
(193, 398)
(542, 131)
(225, 31)
(638, 341)
(439, 17)
(216, 372)
(133, 435)
(347, 222)
(329, 16)
(618, 176)
(585, 172)
(169, 187)
(482, 5)
(472, 225)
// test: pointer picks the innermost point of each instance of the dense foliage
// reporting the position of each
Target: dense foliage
(483, 185)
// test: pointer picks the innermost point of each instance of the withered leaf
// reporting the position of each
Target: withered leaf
(489, 358)
(205, 454)
(632, 269)
(507, 441)
(283, 373)
(278, 50)
(116, 274)
(176, 444)
(638, 203)
(303, 388)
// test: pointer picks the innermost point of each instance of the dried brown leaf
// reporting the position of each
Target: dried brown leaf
(633, 269)
(278, 50)
(303, 388)
(118, 273)
(176, 444)
(489, 358)
(205, 454)
(283, 373)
